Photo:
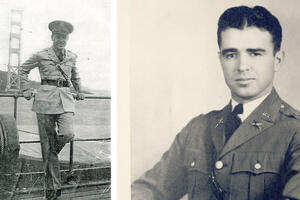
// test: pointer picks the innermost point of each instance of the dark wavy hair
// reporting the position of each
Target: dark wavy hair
(243, 16)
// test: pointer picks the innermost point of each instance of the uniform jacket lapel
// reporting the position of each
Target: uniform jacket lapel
(260, 119)
(68, 56)
(218, 128)
(52, 56)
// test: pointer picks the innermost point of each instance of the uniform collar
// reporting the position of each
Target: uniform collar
(58, 51)
(248, 107)
(262, 117)
(52, 55)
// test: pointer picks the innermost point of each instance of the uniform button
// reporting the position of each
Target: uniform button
(257, 166)
(219, 165)
(282, 106)
(193, 164)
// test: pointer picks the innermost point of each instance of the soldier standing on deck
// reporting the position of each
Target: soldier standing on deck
(53, 102)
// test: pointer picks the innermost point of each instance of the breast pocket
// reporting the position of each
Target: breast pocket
(256, 175)
(197, 164)
(47, 67)
(67, 67)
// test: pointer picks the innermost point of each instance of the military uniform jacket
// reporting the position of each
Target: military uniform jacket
(51, 99)
(261, 160)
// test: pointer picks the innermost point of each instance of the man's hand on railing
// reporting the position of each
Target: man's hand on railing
(28, 94)
(79, 96)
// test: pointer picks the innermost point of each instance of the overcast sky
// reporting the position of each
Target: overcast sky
(90, 39)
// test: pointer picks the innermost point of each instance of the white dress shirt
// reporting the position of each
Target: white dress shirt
(248, 107)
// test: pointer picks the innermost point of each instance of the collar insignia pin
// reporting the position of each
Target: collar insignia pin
(257, 124)
(266, 115)
(221, 121)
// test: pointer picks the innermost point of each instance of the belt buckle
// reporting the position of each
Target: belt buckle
(60, 82)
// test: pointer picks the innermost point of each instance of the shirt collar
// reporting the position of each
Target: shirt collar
(249, 106)
(57, 51)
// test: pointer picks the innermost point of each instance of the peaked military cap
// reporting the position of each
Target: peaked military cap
(59, 26)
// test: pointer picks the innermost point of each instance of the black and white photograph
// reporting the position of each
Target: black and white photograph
(55, 97)
(214, 100)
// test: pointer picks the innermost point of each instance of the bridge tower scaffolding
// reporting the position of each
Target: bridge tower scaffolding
(13, 79)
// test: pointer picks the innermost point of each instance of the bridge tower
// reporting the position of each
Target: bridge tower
(13, 79)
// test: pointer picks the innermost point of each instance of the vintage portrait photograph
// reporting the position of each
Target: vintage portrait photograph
(55, 97)
(214, 100)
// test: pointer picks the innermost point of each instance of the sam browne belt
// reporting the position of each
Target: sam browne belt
(218, 191)
(57, 82)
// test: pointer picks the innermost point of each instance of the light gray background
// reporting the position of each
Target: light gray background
(175, 73)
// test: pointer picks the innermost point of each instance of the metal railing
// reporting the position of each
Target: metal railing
(17, 95)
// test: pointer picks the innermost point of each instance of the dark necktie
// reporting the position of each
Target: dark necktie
(60, 55)
(233, 121)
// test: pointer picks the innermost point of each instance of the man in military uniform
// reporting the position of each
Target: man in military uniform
(249, 150)
(53, 102)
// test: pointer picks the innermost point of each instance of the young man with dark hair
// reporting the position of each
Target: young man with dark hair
(251, 148)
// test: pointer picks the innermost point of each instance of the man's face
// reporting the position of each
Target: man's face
(59, 40)
(248, 62)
